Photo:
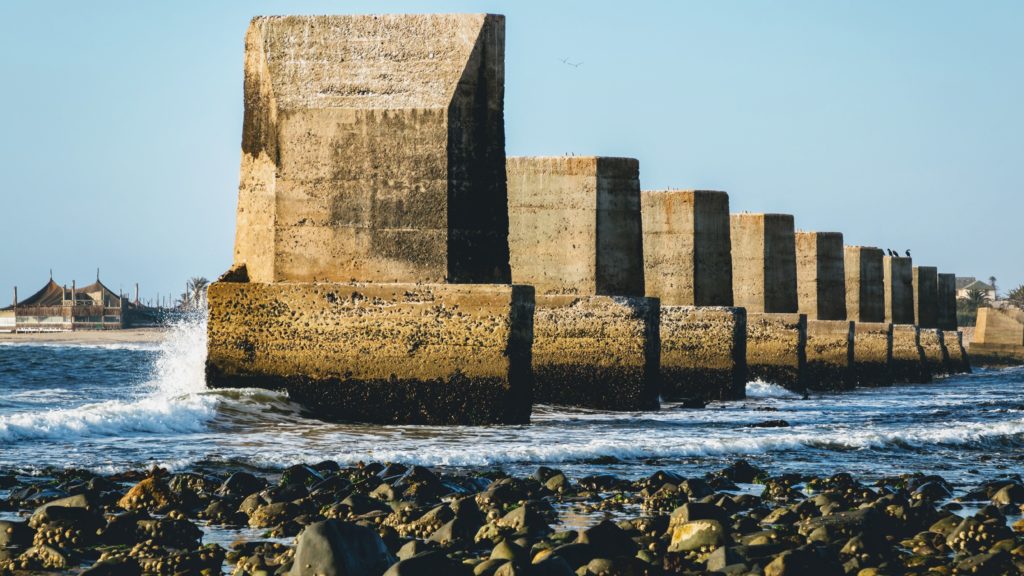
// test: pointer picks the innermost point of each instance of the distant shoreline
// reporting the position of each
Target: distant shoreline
(127, 336)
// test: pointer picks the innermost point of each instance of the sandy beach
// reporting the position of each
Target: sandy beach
(133, 335)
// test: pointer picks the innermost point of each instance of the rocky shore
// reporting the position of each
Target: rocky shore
(392, 519)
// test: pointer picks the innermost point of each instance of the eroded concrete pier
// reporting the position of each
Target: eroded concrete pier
(865, 306)
(908, 360)
(575, 234)
(688, 266)
(821, 294)
(371, 275)
(764, 282)
(926, 316)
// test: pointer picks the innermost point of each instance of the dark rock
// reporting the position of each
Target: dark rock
(14, 534)
(335, 548)
(428, 563)
(241, 484)
(611, 540)
(770, 424)
(118, 567)
(575, 555)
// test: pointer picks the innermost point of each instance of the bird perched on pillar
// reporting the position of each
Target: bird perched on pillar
(908, 253)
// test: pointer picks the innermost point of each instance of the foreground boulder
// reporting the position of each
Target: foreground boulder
(335, 548)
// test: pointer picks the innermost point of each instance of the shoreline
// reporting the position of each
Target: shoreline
(126, 336)
(306, 518)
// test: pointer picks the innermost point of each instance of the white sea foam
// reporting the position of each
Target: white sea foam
(171, 401)
(759, 389)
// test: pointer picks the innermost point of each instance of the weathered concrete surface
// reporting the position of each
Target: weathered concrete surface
(764, 262)
(703, 352)
(373, 149)
(865, 297)
(575, 234)
(575, 225)
(998, 337)
(596, 351)
(926, 294)
(959, 361)
(872, 353)
(830, 355)
(936, 358)
(777, 349)
(908, 361)
(687, 247)
(946, 302)
(409, 353)
(898, 289)
(821, 275)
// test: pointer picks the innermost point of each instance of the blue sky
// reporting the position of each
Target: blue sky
(899, 124)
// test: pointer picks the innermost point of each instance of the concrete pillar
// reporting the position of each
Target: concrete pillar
(764, 282)
(926, 294)
(865, 297)
(821, 294)
(946, 316)
(688, 266)
(898, 281)
(575, 234)
(687, 248)
(821, 275)
(764, 263)
(371, 275)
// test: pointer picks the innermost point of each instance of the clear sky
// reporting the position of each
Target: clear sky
(900, 124)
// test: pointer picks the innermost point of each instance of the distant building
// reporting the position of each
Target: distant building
(968, 283)
(56, 308)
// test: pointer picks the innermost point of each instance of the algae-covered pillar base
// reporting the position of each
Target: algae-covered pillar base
(596, 352)
(385, 353)
(936, 357)
(908, 362)
(830, 355)
(872, 354)
(776, 349)
(959, 361)
(575, 235)
(703, 353)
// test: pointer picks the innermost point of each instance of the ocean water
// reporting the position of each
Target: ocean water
(118, 407)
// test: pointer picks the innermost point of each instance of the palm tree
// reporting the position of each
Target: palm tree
(992, 283)
(197, 290)
(1016, 296)
(976, 299)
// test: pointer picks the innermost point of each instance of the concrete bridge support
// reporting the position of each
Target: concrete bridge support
(764, 282)
(575, 234)
(821, 293)
(865, 305)
(688, 266)
(371, 275)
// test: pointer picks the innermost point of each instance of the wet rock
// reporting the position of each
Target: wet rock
(769, 424)
(335, 548)
(119, 567)
(697, 535)
(151, 494)
(611, 540)
(241, 484)
(271, 515)
(14, 534)
(428, 563)
(1009, 495)
(804, 562)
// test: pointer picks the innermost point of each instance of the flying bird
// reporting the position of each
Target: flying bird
(567, 62)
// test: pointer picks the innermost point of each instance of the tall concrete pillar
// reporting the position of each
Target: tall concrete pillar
(764, 282)
(865, 305)
(821, 294)
(688, 266)
(371, 277)
(575, 235)
(865, 298)
(946, 304)
(926, 294)
(898, 281)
